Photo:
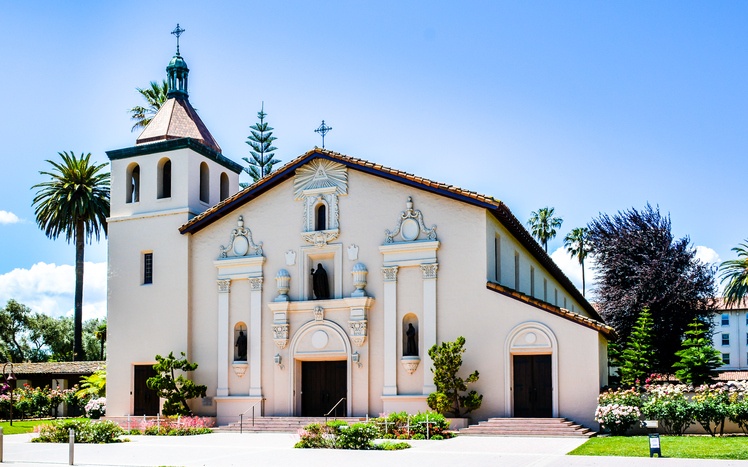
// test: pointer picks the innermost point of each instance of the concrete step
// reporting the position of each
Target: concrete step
(281, 424)
(527, 427)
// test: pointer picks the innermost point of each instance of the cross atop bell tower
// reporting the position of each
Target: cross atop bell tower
(177, 71)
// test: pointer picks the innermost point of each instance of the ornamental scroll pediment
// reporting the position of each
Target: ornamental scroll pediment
(241, 243)
(410, 227)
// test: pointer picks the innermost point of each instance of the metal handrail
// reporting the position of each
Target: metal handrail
(333, 408)
(241, 415)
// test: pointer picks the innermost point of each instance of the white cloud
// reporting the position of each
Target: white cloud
(570, 266)
(7, 217)
(50, 289)
(706, 255)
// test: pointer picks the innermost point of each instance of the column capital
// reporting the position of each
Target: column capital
(224, 285)
(429, 270)
(390, 273)
(255, 284)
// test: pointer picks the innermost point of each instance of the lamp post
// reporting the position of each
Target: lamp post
(10, 379)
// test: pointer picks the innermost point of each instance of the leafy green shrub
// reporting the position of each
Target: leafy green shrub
(176, 390)
(316, 436)
(710, 407)
(85, 432)
(617, 418)
(437, 437)
(447, 360)
(437, 424)
(390, 446)
(667, 403)
(357, 436)
(418, 436)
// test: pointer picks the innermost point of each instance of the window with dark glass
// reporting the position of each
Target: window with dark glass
(148, 268)
(725, 358)
(725, 319)
(725, 339)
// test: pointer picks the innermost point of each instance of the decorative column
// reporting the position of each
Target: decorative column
(255, 336)
(222, 369)
(390, 330)
(428, 329)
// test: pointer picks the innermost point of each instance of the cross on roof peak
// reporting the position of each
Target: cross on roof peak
(178, 32)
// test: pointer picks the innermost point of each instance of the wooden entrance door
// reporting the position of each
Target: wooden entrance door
(323, 384)
(145, 400)
(533, 386)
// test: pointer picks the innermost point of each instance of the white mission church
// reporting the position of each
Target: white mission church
(234, 279)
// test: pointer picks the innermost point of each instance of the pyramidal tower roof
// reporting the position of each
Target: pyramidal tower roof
(177, 118)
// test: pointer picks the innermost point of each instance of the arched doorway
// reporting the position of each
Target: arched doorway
(531, 371)
(321, 369)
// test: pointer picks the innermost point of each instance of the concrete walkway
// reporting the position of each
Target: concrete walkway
(274, 449)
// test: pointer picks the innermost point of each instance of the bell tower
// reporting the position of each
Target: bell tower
(174, 172)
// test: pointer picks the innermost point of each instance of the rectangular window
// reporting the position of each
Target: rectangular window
(725, 319)
(516, 271)
(565, 303)
(725, 358)
(555, 297)
(725, 339)
(746, 339)
(148, 268)
(532, 281)
(545, 289)
(497, 259)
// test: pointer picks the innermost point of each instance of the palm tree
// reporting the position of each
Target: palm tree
(735, 272)
(543, 225)
(74, 202)
(100, 335)
(155, 96)
(578, 247)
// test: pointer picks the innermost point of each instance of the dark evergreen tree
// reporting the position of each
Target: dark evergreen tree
(639, 264)
(698, 358)
(637, 357)
(261, 143)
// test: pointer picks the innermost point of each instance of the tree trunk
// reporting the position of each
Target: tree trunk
(78, 310)
(583, 294)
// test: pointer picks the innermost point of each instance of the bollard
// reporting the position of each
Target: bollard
(72, 444)
(1, 444)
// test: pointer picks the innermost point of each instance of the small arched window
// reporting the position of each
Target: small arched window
(164, 178)
(321, 217)
(224, 186)
(204, 183)
(133, 183)
(410, 335)
(240, 342)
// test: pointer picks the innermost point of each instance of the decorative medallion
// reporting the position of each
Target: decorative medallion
(320, 340)
(241, 243)
(358, 332)
(410, 226)
(352, 252)
(319, 313)
(290, 258)
(320, 238)
(280, 335)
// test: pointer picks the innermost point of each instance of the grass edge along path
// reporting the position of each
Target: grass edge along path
(24, 426)
(687, 447)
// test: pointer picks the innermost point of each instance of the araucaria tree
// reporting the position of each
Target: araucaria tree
(543, 225)
(698, 359)
(735, 273)
(261, 146)
(637, 357)
(578, 246)
(154, 96)
(176, 389)
(639, 264)
(74, 202)
(447, 360)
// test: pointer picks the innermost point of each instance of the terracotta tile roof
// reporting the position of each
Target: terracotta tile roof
(73, 368)
(732, 376)
(496, 207)
(719, 303)
(177, 119)
(558, 311)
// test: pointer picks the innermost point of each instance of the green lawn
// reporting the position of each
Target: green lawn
(694, 447)
(21, 426)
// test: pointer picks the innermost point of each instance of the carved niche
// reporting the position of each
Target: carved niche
(241, 243)
(410, 226)
(319, 184)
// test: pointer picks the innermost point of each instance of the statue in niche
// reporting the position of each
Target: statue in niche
(411, 349)
(241, 346)
(320, 284)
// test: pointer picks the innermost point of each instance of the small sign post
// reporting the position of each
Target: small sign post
(654, 445)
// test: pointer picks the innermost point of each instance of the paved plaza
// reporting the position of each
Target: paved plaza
(276, 449)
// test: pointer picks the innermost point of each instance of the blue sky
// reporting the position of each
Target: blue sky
(588, 107)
